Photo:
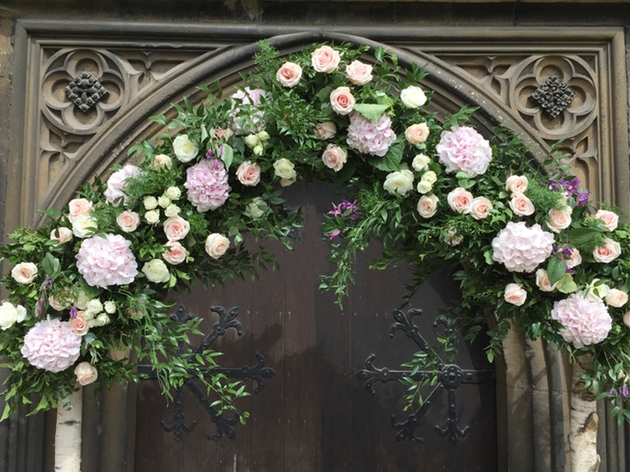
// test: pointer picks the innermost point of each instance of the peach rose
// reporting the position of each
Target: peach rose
(326, 130)
(559, 219)
(248, 174)
(162, 160)
(616, 298)
(325, 59)
(86, 373)
(334, 157)
(516, 184)
(575, 259)
(128, 221)
(515, 294)
(289, 74)
(417, 133)
(521, 205)
(427, 206)
(79, 324)
(359, 73)
(286, 182)
(480, 208)
(342, 100)
(78, 207)
(175, 253)
(610, 219)
(610, 251)
(61, 234)
(176, 228)
(217, 245)
(460, 200)
(24, 272)
(542, 281)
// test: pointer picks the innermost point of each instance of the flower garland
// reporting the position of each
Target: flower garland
(522, 239)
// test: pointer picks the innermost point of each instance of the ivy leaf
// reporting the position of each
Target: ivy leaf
(227, 156)
(371, 111)
(556, 269)
(390, 162)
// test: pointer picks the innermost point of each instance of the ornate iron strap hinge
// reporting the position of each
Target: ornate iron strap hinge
(449, 377)
(257, 372)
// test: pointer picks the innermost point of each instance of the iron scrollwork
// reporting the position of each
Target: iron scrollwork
(449, 378)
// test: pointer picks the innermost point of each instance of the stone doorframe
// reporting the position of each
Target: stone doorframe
(55, 147)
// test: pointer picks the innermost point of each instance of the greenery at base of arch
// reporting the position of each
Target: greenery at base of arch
(522, 238)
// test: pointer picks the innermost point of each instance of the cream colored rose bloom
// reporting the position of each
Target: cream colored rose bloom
(102, 319)
(427, 206)
(420, 162)
(480, 208)
(516, 184)
(515, 294)
(286, 182)
(413, 97)
(162, 160)
(150, 203)
(174, 193)
(156, 271)
(521, 205)
(334, 157)
(110, 307)
(430, 177)
(217, 245)
(163, 201)
(252, 140)
(85, 373)
(257, 207)
(289, 74)
(542, 281)
(285, 169)
(94, 307)
(263, 136)
(460, 200)
(171, 210)
(11, 314)
(128, 221)
(610, 251)
(359, 73)
(399, 182)
(84, 226)
(418, 133)
(78, 207)
(325, 59)
(424, 187)
(152, 217)
(82, 300)
(559, 219)
(610, 219)
(24, 272)
(184, 148)
(325, 130)
(616, 298)
(342, 100)
(61, 234)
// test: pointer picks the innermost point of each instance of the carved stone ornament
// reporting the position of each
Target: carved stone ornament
(553, 96)
(85, 91)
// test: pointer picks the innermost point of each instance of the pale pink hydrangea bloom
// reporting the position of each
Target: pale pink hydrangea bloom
(116, 184)
(368, 137)
(207, 185)
(52, 345)
(584, 321)
(464, 150)
(250, 97)
(522, 249)
(105, 261)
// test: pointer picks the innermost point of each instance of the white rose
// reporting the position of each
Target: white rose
(81, 301)
(217, 245)
(430, 177)
(11, 314)
(86, 373)
(24, 272)
(626, 319)
(84, 226)
(413, 97)
(171, 211)
(542, 281)
(156, 271)
(516, 184)
(94, 306)
(616, 298)
(252, 141)
(258, 150)
(515, 294)
(110, 307)
(285, 169)
(399, 182)
(263, 136)
(152, 217)
(424, 187)
(184, 149)
(163, 201)
(420, 162)
(257, 207)
(427, 206)
(102, 319)
(162, 160)
(150, 203)
(174, 193)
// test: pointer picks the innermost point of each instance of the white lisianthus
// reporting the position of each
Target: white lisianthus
(399, 182)
(184, 148)
(156, 271)
(171, 210)
(174, 193)
(424, 187)
(413, 97)
(150, 203)
(420, 162)
(152, 217)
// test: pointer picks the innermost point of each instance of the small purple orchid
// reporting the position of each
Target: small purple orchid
(345, 208)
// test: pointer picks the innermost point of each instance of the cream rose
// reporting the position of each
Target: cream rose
(173, 193)
(542, 281)
(480, 208)
(152, 217)
(325, 130)
(559, 219)
(359, 73)
(176, 228)
(85, 373)
(521, 205)
(128, 221)
(427, 206)
(399, 182)
(420, 162)
(82, 300)
(515, 294)
(413, 97)
(424, 187)
(626, 319)
(11, 314)
(102, 319)
(248, 174)
(171, 210)
(257, 207)
(616, 298)
(325, 59)
(150, 203)
(79, 324)
(516, 184)
(334, 157)
(289, 74)
(78, 207)
(84, 226)
(217, 245)
(418, 133)
(156, 271)
(109, 307)
(163, 201)
(610, 251)
(460, 200)
(610, 219)
(430, 177)
(342, 101)
(175, 253)
(61, 235)
(24, 272)
(252, 140)
(286, 182)
(285, 169)
(162, 160)
(93, 307)
(184, 148)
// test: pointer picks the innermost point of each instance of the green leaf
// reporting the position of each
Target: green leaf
(580, 236)
(556, 269)
(227, 156)
(566, 284)
(390, 162)
(371, 111)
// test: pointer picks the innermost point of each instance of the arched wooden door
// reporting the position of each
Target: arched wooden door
(314, 414)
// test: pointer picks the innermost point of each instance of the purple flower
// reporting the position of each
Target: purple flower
(334, 234)
(571, 187)
(73, 312)
(582, 198)
(624, 391)
(613, 391)
(207, 184)
(209, 154)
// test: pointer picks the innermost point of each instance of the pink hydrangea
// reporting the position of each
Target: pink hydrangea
(52, 345)
(105, 261)
(584, 321)
(368, 137)
(247, 97)
(207, 184)
(116, 184)
(522, 249)
(464, 150)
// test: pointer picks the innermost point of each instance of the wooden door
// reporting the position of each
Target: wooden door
(314, 414)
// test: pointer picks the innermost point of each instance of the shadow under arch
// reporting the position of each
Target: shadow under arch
(531, 387)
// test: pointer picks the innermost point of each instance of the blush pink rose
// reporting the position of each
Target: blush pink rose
(86, 373)
(575, 259)
(417, 133)
(175, 253)
(289, 74)
(78, 207)
(359, 73)
(162, 161)
(248, 174)
(325, 59)
(610, 219)
(521, 205)
(559, 219)
(515, 294)
(342, 100)
(61, 234)
(128, 221)
(176, 228)
(24, 272)
(326, 130)
(427, 206)
(610, 251)
(460, 200)
(217, 245)
(616, 298)
(79, 324)
(516, 184)
(542, 281)
(334, 157)
(480, 208)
